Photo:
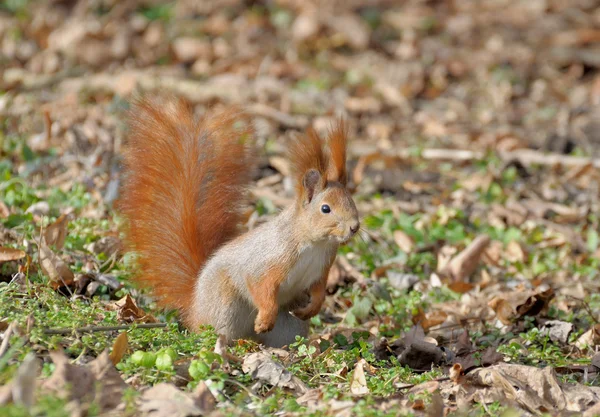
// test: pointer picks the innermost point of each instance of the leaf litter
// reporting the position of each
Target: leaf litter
(475, 167)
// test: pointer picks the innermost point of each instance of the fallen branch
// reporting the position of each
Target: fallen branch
(91, 329)
(524, 156)
(280, 117)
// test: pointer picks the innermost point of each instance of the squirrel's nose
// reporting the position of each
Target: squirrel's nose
(355, 228)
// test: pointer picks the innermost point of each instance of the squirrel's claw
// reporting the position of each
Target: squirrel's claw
(264, 324)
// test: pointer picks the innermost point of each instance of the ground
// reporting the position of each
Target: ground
(473, 286)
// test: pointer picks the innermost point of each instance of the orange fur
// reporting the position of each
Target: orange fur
(264, 293)
(305, 153)
(309, 151)
(173, 196)
(337, 146)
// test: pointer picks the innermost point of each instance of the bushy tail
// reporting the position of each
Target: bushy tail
(184, 189)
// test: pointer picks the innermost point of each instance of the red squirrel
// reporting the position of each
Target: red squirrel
(183, 194)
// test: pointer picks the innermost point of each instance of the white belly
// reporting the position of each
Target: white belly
(308, 269)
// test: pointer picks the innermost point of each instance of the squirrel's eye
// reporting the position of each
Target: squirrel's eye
(325, 209)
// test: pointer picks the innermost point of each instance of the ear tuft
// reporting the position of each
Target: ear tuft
(306, 154)
(336, 170)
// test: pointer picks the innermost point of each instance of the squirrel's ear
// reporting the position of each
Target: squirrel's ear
(312, 182)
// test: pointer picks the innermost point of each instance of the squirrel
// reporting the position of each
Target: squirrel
(185, 187)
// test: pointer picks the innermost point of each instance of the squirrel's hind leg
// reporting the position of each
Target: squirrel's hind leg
(287, 327)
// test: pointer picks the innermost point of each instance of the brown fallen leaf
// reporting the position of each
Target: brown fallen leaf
(97, 381)
(514, 305)
(24, 384)
(463, 345)
(59, 273)
(534, 389)
(56, 233)
(69, 381)
(261, 366)
(461, 287)
(436, 406)
(358, 386)
(535, 303)
(404, 241)
(108, 245)
(109, 384)
(589, 339)
(166, 400)
(430, 319)
(504, 310)
(4, 210)
(203, 398)
(514, 252)
(221, 349)
(10, 254)
(306, 25)
(119, 348)
(129, 312)
(464, 264)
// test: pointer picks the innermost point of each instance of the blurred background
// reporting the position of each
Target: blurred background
(478, 75)
(419, 82)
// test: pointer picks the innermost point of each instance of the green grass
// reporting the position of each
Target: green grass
(330, 367)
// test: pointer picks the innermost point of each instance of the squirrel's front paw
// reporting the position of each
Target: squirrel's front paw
(307, 312)
(264, 323)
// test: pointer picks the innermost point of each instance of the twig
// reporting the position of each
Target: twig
(91, 329)
(48, 126)
(525, 156)
(462, 324)
(442, 379)
(7, 335)
(586, 306)
(282, 118)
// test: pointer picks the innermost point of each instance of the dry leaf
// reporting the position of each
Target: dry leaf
(261, 366)
(430, 319)
(306, 25)
(109, 384)
(461, 287)
(119, 348)
(166, 400)
(514, 252)
(589, 339)
(59, 273)
(504, 310)
(358, 386)
(129, 312)
(352, 28)
(221, 349)
(24, 384)
(108, 245)
(404, 241)
(465, 263)
(534, 389)
(557, 330)
(56, 233)
(69, 381)
(10, 254)
(4, 211)
(204, 399)
(535, 303)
